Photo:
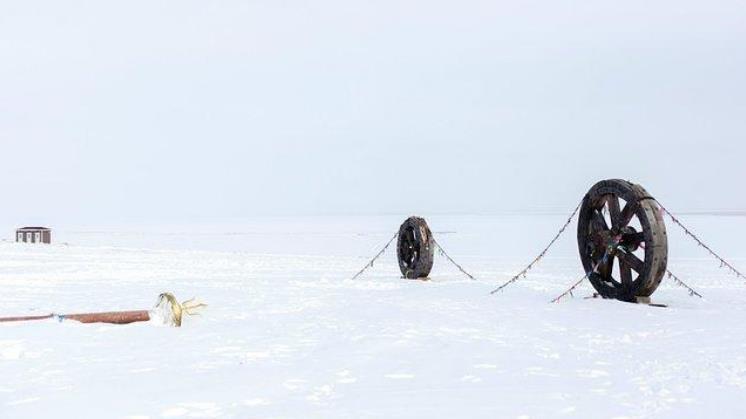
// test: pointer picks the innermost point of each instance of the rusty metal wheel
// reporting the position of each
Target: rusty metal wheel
(622, 240)
(415, 248)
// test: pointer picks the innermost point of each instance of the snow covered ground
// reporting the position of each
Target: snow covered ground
(288, 335)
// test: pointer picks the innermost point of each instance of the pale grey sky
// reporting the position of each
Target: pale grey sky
(195, 109)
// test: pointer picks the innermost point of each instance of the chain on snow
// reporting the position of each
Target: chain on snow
(682, 284)
(524, 272)
(569, 290)
(580, 281)
(443, 252)
(679, 282)
(670, 274)
(723, 263)
(378, 255)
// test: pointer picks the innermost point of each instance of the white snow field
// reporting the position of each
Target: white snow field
(287, 334)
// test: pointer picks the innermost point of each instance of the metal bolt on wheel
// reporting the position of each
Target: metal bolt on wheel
(622, 240)
(415, 248)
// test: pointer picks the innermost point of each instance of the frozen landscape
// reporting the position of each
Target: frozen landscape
(287, 334)
(175, 146)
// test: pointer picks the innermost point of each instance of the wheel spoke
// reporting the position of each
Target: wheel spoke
(598, 222)
(633, 261)
(409, 248)
(634, 239)
(626, 273)
(414, 251)
(627, 213)
(606, 267)
(604, 270)
(614, 211)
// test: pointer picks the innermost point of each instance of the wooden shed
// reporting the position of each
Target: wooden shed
(34, 235)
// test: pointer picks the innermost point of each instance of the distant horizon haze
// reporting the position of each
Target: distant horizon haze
(187, 111)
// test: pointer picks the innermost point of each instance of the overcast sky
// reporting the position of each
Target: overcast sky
(193, 109)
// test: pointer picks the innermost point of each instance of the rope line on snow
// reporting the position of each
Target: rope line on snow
(443, 252)
(678, 281)
(569, 290)
(681, 283)
(723, 262)
(378, 255)
(580, 281)
(670, 275)
(524, 272)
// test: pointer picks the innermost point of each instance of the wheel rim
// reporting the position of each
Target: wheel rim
(622, 242)
(415, 250)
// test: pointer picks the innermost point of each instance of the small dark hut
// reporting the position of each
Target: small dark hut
(34, 235)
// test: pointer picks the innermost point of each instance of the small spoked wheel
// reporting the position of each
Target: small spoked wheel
(415, 248)
(622, 240)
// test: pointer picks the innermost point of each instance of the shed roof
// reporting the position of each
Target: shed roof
(34, 229)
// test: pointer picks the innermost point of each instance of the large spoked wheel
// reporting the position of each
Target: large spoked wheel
(622, 240)
(415, 248)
